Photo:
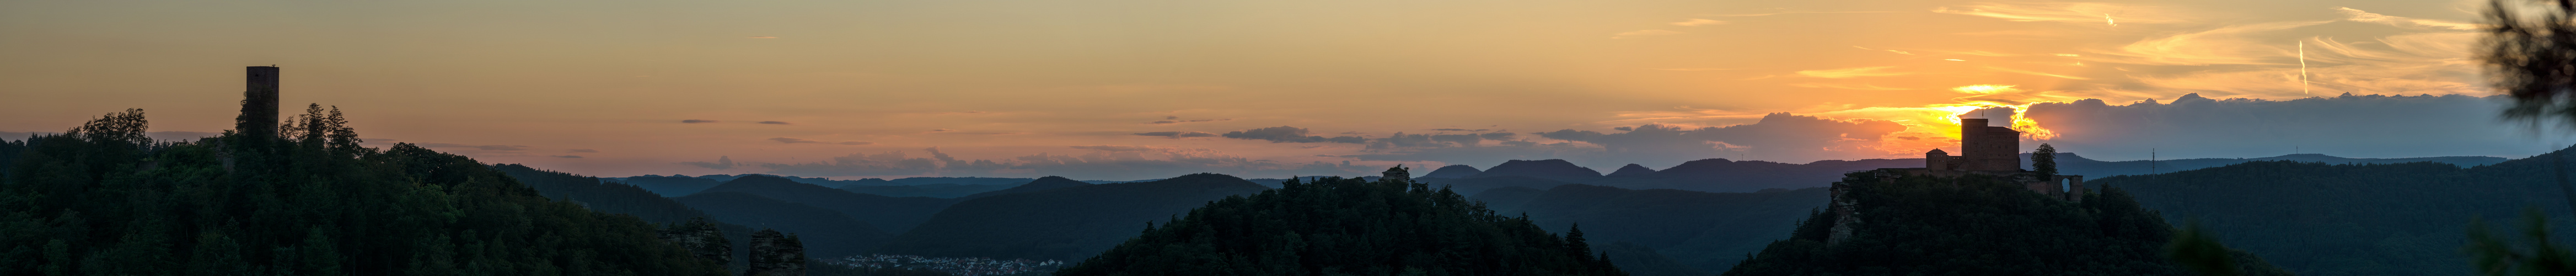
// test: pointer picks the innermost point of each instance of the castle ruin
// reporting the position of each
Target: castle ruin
(1983, 150)
(259, 103)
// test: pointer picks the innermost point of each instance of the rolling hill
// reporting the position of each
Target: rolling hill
(1063, 224)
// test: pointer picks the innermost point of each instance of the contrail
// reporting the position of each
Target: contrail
(2303, 67)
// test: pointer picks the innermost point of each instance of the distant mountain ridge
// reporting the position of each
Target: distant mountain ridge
(1722, 175)
(1453, 171)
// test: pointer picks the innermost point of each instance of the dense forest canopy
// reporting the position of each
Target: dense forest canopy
(1980, 225)
(1336, 226)
(2355, 219)
(103, 200)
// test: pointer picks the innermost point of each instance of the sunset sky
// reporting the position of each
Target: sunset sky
(1133, 89)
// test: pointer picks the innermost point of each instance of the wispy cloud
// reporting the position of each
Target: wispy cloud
(804, 141)
(2363, 16)
(1781, 13)
(1695, 22)
(775, 123)
(764, 37)
(696, 121)
(1695, 69)
(1177, 134)
(2079, 13)
(1845, 73)
(566, 156)
(2225, 45)
(1863, 86)
(1639, 33)
(2036, 73)
(1118, 148)
(1167, 122)
(582, 150)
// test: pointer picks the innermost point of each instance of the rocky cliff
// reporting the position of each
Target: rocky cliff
(702, 239)
(776, 254)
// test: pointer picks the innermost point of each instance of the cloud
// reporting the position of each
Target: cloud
(775, 123)
(1166, 122)
(1102, 162)
(1863, 86)
(1846, 73)
(582, 150)
(1781, 13)
(1289, 134)
(1177, 134)
(1695, 69)
(1695, 22)
(2079, 13)
(2192, 126)
(764, 37)
(721, 163)
(2233, 44)
(1639, 33)
(1777, 137)
(480, 147)
(940, 130)
(2036, 73)
(803, 141)
(565, 156)
(2363, 16)
(888, 163)
(696, 121)
(1117, 148)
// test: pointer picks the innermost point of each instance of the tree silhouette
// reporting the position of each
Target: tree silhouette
(2044, 160)
(2531, 54)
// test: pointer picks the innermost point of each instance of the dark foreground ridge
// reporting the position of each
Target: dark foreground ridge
(1348, 226)
(103, 200)
(1978, 224)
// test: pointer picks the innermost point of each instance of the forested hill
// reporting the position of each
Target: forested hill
(1980, 225)
(2337, 219)
(103, 200)
(1705, 231)
(1063, 223)
(614, 197)
(1341, 226)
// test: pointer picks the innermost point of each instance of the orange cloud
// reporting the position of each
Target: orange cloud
(1846, 73)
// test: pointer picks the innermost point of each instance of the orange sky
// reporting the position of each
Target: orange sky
(1007, 80)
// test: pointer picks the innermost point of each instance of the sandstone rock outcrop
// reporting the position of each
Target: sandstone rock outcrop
(776, 254)
(702, 239)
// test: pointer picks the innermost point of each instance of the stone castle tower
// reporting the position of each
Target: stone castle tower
(1981, 148)
(259, 103)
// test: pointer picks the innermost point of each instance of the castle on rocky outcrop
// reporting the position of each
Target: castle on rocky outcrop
(1983, 150)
